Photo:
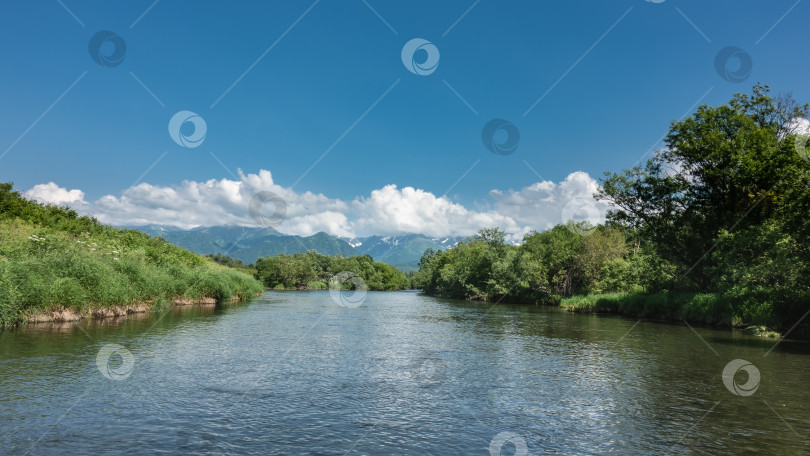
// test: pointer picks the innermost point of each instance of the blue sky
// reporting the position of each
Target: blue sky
(612, 76)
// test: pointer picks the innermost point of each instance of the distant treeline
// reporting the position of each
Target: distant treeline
(312, 270)
(225, 260)
(713, 228)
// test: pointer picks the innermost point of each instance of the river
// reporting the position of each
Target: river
(397, 373)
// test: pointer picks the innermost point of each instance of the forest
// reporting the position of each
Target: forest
(313, 271)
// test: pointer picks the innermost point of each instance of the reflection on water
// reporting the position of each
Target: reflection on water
(295, 373)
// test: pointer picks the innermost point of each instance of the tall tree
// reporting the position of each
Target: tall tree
(723, 168)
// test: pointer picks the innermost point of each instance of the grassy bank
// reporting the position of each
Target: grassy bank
(308, 287)
(754, 313)
(53, 260)
(706, 308)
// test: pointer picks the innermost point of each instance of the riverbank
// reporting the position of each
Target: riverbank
(705, 308)
(602, 273)
(58, 266)
(708, 308)
(67, 315)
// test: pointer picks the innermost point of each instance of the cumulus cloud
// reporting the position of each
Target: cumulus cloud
(386, 211)
(53, 194)
(799, 126)
(545, 204)
(391, 210)
(224, 202)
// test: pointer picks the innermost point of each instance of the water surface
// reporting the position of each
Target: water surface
(296, 373)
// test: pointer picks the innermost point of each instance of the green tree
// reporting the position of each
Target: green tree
(311, 269)
(726, 167)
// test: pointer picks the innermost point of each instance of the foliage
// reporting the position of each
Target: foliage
(713, 228)
(709, 308)
(727, 167)
(50, 258)
(311, 270)
(546, 267)
(225, 260)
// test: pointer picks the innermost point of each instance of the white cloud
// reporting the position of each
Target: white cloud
(393, 211)
(545, 204)
(222, 202)
(331, 222)
(385, 211)
(799, 126)
(54, 194)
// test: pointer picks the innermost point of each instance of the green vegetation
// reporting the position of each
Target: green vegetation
(312, 270)
(712, 229)
(225, 260)
(544, 269)
(50, 258)
(700, 307)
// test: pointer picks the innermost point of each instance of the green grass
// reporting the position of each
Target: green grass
(317, 285)
(52, 259)
(709, 308)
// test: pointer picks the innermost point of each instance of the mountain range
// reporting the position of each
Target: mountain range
(402, 251)
(248, 244)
